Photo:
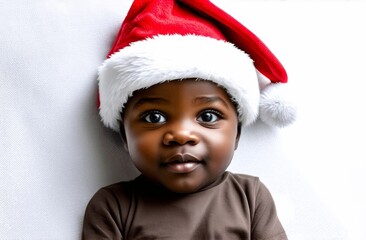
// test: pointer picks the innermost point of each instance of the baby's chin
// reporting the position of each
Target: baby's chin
(189, 185)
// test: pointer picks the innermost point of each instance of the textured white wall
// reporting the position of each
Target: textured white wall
(55, 154)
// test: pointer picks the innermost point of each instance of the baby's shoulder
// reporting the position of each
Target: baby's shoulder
(242, 179)
(248, 184)
(118, 190)
(251, 186)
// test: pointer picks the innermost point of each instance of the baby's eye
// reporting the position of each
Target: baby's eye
(154, 117)
(209, 116)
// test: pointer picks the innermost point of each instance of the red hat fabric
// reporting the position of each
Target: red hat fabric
(165, 40)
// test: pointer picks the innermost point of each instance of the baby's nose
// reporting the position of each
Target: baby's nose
(181, 134)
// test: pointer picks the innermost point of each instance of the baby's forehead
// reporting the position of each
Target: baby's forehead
(182, 88)
(196, 91)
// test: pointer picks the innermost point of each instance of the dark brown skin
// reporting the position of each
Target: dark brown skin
(181, 134)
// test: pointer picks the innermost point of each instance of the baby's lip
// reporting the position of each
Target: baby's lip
(182, 163)
(182, 158)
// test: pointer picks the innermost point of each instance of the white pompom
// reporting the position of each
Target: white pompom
(275, 107)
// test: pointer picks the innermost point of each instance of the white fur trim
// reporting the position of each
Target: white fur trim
(275, 107)
(176, 57)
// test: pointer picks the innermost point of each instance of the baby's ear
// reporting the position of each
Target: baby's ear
(238, 134)
(122, 133)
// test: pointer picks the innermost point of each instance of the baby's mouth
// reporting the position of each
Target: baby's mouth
(182, 163)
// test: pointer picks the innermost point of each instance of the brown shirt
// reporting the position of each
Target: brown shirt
(237, 207)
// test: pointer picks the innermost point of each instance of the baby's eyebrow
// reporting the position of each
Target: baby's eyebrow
(150, 100)
(210, 99)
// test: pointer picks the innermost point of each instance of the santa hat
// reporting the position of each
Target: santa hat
(166, 40)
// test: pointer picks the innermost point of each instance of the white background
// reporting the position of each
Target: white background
(55, 153)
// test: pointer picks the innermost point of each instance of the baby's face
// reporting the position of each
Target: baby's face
(181, 134)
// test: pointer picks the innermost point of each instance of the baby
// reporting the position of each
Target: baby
(180, 84)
